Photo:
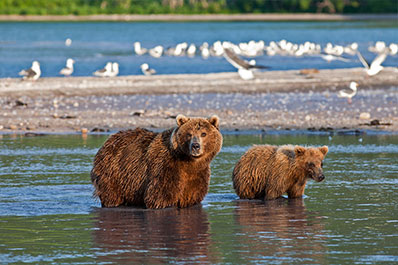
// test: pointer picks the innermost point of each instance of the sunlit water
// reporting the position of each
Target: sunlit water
(48, 214)
(95, 43)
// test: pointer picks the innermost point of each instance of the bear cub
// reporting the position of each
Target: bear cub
(267, 171)
(157, 170)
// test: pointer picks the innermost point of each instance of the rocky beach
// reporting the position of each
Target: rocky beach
(274, 100)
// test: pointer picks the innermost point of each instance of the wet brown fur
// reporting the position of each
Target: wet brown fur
(267, 171)
(157, 170)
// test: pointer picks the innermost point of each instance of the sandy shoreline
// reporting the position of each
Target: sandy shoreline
(208, 17)
(275, 100)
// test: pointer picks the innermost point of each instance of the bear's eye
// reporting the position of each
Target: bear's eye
(310, 164)
(203, 134)
(189, 135)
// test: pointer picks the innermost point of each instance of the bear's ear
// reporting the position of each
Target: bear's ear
(215, 121)
(324, 150)
(299, 150)
(181, 119)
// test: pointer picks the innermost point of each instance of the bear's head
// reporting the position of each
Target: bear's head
(197, 137)
(311, 159)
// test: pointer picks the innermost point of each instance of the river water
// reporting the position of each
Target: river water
(48, 214)
(95, 43)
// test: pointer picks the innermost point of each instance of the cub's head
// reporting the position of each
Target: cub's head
(311, 159)
(197, 137)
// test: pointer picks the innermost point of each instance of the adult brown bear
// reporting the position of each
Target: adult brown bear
(157, 170)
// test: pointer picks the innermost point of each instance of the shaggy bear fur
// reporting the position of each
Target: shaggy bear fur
(157, 170)
(267, 171)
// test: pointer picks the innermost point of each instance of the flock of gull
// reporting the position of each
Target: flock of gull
(233, 53)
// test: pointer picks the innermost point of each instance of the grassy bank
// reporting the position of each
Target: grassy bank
(96, 7)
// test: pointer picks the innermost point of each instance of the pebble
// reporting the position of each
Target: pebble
(13, 127)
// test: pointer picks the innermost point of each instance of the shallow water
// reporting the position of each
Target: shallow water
(95, 43)
(48, 215)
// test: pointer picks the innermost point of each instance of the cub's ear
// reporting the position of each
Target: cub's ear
(215, 121)
(299, 150)
(181, 119)
(324, 150)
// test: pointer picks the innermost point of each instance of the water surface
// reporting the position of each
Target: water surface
(48, 214)
(95, 43)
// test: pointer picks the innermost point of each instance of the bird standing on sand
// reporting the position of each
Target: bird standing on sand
(375, 67)
(146, 70)
(105, 72)
(245, 69)
(68, 69)
(33, 73)
(349, 93)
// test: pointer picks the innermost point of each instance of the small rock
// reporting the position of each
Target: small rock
(19, 103)
(138, 113)
(76, 104)
(374, 122)
(30, 128)
(13, 127)
(364, 116)
(307, 117)
(1, 127)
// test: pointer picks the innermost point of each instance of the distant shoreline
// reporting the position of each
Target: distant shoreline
(204, 17)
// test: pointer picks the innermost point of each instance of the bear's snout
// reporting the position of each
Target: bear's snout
(196, 148)
(321, 177)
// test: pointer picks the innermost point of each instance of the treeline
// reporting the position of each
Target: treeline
(91, 7)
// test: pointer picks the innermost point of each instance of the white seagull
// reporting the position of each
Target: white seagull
(146, 70)
(138, 49)
(105, 72)
(349, 93)
(68, 69)
(68, 42)
(114, 70)
(33, 73)
(375, 67)
(245, 68)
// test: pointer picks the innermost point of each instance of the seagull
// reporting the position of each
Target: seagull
(331, 57)
(146, 70)
(156, 52)
(138, 49)
(105, 72)
(204, 50)
(68, 42)
(245, 68)
(375, 67)
(68, 69)
(349, 93)
(33, 73)
(114, 70)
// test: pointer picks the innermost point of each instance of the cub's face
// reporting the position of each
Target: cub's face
(312, 159)
(197, 136)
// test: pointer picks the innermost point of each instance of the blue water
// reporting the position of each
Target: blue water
(48, 214)
(95, 43)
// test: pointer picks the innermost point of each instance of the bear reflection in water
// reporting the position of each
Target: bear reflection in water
(280, 229)
(142, 236)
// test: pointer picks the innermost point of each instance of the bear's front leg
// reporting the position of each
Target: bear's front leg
(297, 190)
